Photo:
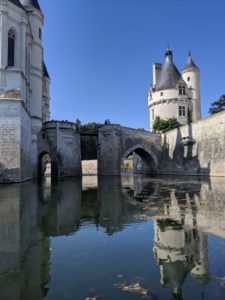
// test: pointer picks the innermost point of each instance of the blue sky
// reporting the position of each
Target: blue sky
(99, 53)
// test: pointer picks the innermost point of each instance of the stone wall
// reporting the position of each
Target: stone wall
(196, 149)
(89, 167)
(15, 142)
(62, 141)
(116, 143)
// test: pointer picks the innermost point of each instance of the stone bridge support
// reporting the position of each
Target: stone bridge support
(116, 143)
(62, 142)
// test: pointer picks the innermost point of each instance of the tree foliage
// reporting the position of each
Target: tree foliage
(78, 123)
(217, 106)
(189, 116)
(88, 127)
(88, 141)
(165, 125)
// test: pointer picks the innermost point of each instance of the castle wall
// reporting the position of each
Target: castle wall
(62, 141)
(15, 142)
(196, 149)
(9, 141)
(28, 161)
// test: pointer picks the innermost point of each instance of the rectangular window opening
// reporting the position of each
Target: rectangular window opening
(182, 111)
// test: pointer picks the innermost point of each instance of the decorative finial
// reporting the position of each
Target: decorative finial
(189, 53)
(168, 45)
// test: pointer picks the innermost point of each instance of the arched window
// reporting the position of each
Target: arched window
(11, 48)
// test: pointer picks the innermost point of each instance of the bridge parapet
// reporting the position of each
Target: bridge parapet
(60, 125)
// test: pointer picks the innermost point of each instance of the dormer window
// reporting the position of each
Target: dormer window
(182, 90)
(11, 48)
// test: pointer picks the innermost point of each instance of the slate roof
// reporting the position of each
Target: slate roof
(169, 75)
(33, 3)
(17, 3)
(190, 63)
(45, 71)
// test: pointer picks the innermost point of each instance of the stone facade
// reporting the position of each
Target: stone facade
(62, 141)
(116, 143)
(24, 89)
(196, 149)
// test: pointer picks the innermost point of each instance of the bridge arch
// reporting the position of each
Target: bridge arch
(145, 161)
(44, 160)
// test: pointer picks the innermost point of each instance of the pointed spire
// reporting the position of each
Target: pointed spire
(190, 63)
(30, 3)
(169, 75)
(17, 3)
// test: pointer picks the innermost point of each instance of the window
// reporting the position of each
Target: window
(153, 115)
(182, 90)
(40, 33)
(188, 79)
(182, 112)
(11, 48)
(161, 94)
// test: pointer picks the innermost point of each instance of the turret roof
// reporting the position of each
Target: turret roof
(31, 3)
(190, 63)
(45, 71)
(169, 75)
(17, 3)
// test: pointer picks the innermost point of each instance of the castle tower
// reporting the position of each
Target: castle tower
(173, 95)
(24, 88)
(191, 75)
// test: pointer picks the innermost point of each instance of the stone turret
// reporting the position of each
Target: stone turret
(173, 95)
(191, 75)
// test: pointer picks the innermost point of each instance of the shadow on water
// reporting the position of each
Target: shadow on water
(182, 211)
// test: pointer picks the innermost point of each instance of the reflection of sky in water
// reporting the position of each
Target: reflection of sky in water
(135, 238)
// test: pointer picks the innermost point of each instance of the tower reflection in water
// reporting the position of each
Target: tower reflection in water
(30, 214)
(179, 248)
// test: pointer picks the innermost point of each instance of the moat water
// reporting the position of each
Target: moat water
(113, 239)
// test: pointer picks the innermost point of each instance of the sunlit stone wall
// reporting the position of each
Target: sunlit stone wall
(197, 148)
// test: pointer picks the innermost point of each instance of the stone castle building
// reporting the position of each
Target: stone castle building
(24, 88)
(175, 94)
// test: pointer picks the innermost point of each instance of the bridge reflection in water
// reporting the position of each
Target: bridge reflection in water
(183, 213)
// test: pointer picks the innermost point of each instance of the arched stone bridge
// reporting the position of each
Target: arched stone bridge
(114, 143)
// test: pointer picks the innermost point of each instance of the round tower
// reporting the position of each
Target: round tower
(35, 70)
(36, 58)
(191, 75)
(168, 96)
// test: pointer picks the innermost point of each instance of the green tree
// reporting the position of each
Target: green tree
(217, 106)
(165, 125)
(88, 127)
(78, 123)
(189, 116)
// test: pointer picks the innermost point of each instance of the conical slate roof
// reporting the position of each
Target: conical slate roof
(17, 3)
(169, 75)
(31, 3)
(45, 71)
(190, 63)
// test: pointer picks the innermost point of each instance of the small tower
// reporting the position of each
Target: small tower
(191, 75)
(36, 58)
(173, 95)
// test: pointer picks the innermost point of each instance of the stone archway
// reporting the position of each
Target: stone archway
(145, 161)
(44, 160)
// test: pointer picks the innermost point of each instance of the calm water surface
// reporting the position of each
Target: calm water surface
(115, 239)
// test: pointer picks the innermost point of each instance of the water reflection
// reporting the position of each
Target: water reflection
(183, 213)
